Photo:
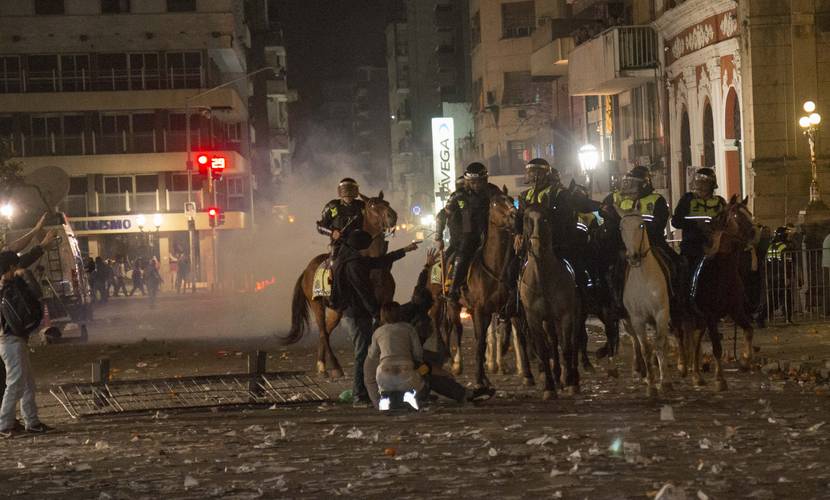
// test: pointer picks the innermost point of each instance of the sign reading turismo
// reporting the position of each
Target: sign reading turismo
(443, 160)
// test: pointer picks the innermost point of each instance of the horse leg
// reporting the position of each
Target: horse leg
(522, 356)
(457, 359)
(542, 341)
(583, 344)
(319, 312)
(639, 326)
(746, 356)
(569, 334)
(481, 321)
(612, 336)
(662, 332)
(638, 367)
(717, 354)
(678, 332)
(332, 320)
(694, 354)
(504, 336)
(491, 351)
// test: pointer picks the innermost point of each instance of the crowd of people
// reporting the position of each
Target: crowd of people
(112, 277)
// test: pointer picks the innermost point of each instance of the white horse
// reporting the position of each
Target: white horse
(646, 299)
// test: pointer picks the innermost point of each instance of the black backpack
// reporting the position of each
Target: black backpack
(20, 310)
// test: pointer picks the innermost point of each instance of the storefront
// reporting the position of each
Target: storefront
(158, 235)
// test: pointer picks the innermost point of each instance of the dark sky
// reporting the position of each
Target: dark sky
(325, 39)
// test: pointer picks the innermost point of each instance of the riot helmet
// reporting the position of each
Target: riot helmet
(705, 182)
(475, 177)
(537, 171)
(348, 190)
(636, 182)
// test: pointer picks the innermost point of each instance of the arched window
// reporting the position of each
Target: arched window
(708, 136)
(685, 147)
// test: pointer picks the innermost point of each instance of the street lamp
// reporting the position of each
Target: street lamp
(142, 222)
(810, 124)
(588, 160)
(7, 211)
(191, 222)
(6, 214)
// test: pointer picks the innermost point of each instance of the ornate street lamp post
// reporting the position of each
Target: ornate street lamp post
(810, 124)
(588, 160)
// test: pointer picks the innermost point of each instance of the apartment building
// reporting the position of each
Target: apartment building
(99, 89)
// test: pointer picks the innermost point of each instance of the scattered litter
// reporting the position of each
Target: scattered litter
(354, 433)
(245, 469)
(20, 465)
(160, 415)
(345, 397)
(594, 450)
(412, 455)
(542, 440)
(814, 428)
(141, 364)
(666, 413)
(390, 452)
(716, 469)
(253, 428)
(83, 468)
(555, 472)
(670, 492)
(513, 427)
(279, 482)
(230, 434)
(190, 482)
(104, 496)
(492, 452)
(702, 496)
(783, 479)
(705, 444)
(135, 438)
(101, 445)
(575, 457)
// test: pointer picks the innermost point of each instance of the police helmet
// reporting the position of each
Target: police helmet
(781, 233)
(536, 170)
(637, 179)
(348, 188)
(705, 179)
(475, 170)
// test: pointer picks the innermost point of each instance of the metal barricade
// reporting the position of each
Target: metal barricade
(796, 286)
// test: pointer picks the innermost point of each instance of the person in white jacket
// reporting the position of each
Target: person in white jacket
(396, 351)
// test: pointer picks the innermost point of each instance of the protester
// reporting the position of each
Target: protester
(153, 280)
(353, 294)
(102, 279)
(396, 352)
(182, 273)
(14, 350)
(119, 271)
(138, 278)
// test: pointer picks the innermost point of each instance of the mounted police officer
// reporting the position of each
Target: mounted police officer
(451, 220)
(693, 215)
(473, 205)
(343, 215)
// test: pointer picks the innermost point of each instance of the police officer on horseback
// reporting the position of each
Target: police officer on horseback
(693, 215)
(343, 215)
(447, 219)
(472, 203)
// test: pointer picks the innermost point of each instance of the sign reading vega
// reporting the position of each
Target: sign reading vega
(443, 160)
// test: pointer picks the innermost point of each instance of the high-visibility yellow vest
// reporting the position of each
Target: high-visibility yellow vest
(584, 220)
(646, 204)
(700, 209)
(532, 197)
(776, 251)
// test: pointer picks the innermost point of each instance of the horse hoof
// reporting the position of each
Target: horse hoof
(698, 381)
(504, 370)
(335, 373)
(528, 382)
(720, 385)
(683, 371)
(491, 368)
(612, 372)
(548, 395)
(321, 368)
(572, 390)
(744, 364)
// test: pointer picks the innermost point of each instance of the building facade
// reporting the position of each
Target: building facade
(99, 88)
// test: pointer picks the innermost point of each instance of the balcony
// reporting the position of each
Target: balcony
(158, 201)
(551, 46)
(617, 60)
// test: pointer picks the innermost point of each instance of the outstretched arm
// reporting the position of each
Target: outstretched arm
(22, 242)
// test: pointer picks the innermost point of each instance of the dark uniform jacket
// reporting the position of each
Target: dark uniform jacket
(473, 208)
(337, 215)
(450, 217)
(689, 215)
(351, 287)
(563, 208)
(651, 205)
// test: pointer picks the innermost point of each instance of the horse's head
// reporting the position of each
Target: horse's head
(380, 217)
(536, 227)
(634, 236)
(733, 229)
(502, 211)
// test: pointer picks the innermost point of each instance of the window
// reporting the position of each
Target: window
(9, 74)
(181, 5)
(143, 136)
(115, 6)
(519, 156)
(44, 128)
(77, 185)
(517, 19)
(478, 95)
(72, 139)
(179, 182)
(114, 128)
(235, 187)
(144, 71)
(475, 30)
(43, 73)
(112, 72)
(48, 7)
(118, 184)
(146, 183)
(184, 70)
(519, 88)
(74, 72)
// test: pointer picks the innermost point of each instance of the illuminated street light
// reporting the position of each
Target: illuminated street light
(588, 158)
(157, 221)
(7, 210)
(810, 124)
(142, 221)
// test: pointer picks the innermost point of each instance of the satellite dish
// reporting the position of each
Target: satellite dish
(44, 188)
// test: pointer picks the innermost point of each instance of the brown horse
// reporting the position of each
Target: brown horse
(721, 278)
(379, 219)
(486, 291)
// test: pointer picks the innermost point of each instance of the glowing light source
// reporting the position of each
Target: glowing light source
(588, 157)
(416, 209)
(142, 221)
(804, 121)
(202, 159)
(7, 210)
(616, 446)
(157, 220)
(815, 118)
(809, 106)
(427, 220)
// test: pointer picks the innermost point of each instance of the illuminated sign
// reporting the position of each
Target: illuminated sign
(443, 160)
(102, 225)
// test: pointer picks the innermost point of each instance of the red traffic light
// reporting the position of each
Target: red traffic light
(212, 212)
(202, 159)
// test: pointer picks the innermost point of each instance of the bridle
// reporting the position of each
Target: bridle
(635, 259)
(385, 230)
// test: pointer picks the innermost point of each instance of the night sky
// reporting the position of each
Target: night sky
(325, 39)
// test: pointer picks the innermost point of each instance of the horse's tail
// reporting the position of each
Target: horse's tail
(299, 313)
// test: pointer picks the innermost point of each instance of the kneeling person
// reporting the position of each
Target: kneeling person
(396, 349)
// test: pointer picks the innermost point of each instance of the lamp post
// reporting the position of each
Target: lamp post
(191, 223)
(810, 124)
(588, 160)
(142, 222)
(6, 214)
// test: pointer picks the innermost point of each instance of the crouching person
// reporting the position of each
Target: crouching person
(391, 367)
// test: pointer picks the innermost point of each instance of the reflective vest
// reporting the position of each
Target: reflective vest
(700, 209)
(646, 204)
(532, 197)
(584, 221)
(776, 251)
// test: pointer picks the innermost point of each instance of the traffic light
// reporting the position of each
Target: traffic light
(203, 160)
(213, 165)
(213, 213)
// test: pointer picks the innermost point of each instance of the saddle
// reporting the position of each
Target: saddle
(321, 285)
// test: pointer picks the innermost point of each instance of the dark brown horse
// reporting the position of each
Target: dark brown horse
(722, 290)
(378, 220)
(487, 292)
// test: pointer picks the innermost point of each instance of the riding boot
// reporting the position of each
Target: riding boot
(459, 276)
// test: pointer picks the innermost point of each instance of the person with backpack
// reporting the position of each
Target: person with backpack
(20, 315)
